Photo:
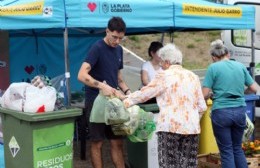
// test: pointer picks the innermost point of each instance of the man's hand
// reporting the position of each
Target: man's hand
(107, 90)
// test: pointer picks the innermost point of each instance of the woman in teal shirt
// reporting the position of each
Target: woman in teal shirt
(227, 80)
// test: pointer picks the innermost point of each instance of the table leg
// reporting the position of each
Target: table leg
(83, 128)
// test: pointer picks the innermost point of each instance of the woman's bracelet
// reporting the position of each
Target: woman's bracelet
(126, 91)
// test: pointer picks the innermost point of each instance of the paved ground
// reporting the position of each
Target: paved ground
(78, 163)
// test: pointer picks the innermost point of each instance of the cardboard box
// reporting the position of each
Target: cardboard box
(211, 160)
(253, 162)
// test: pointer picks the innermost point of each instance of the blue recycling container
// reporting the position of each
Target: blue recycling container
(250, 107)
(2, 160)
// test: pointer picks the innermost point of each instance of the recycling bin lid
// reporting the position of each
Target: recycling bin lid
(27, 116)
(251, 97)
(149, 107)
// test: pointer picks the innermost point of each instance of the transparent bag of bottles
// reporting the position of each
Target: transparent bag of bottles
(145, 129)
(129, 127)
(115, 112)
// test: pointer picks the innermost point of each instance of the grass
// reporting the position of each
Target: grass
(134, 38)
(194, 46)
(198, 40)
(190, 46)
(213, 33)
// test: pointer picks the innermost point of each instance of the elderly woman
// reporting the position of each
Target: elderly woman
(181, 103)
(227, 79)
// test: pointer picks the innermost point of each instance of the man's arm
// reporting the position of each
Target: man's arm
(87, 79)
(122, 85)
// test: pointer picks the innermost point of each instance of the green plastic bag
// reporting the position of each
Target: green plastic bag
(115, 112)
(129, 127)
(97, 114)
(146, 128)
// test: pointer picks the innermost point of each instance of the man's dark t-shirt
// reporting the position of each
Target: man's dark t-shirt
(105, 61)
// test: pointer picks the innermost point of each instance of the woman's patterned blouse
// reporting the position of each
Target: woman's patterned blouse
(179, 97)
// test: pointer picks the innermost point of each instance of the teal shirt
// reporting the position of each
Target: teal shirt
(227, 79)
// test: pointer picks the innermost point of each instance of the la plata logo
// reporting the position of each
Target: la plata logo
(105, 7)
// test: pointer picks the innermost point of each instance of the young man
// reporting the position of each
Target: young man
(101, 71)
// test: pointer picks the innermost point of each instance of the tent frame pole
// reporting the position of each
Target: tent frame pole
(67, 67)
(252, 64)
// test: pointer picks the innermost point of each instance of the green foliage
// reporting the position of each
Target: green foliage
(134, 38)
(194, 65)
(175, 35)
(198, 40)
(191, 65)
(190, 46)
(214, 33)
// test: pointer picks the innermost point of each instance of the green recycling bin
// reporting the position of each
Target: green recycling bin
(144, 154)
(38, 140)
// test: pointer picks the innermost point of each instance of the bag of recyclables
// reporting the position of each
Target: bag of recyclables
(248, 130)
(115, 112)
(129, 127)
(26, 97)
(146, 127)
(97, 114)
(108, 110)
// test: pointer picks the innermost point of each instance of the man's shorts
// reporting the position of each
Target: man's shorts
(99, 131)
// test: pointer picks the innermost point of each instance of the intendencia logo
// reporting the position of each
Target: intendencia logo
(202, 10)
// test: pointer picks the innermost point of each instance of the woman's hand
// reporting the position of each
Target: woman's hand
(119, 95)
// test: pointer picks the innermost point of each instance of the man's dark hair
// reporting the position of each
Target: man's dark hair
(116, 24)
(154, 47)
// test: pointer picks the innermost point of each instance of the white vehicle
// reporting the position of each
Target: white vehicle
(239, 43)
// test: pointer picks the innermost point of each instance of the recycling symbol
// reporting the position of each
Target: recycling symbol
(13, 146)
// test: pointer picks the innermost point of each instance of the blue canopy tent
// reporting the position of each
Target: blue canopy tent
(46, 34)
(31, 14)
(158, 15)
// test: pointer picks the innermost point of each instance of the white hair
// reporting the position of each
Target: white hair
(218, 49)
(170, 53)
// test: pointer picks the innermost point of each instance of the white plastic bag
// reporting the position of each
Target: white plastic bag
(14, 96)
(39, 100)
(249, 130)
(28, 98)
